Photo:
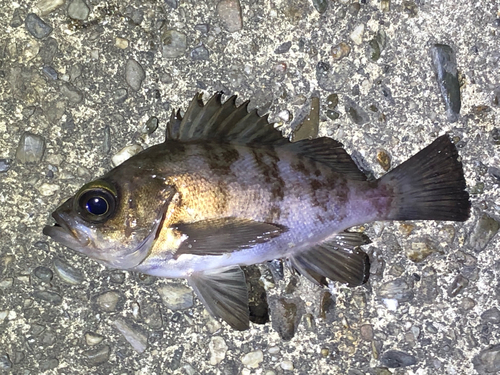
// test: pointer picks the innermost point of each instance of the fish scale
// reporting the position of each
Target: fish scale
(226, 190)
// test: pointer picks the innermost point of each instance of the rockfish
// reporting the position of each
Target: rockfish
(226, 189)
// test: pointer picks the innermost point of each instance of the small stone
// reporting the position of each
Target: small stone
(384, 159)
(50, 72)
(17, 19)
(5, 165)
(120, 95)
(152, 315)
(286, 316)
(325, 352)
(366, 332)
(397, 289)
(137, 339)
(287, 365)
(47, 296)
(6, 283)
(78, 10)
(5, 362)
(200, 53)
(385, 5)
(46, 190)
(357, 34)
(340, 51)
(488, 360)
(36, 26)
(93, 339)
(320, 5)
(67, 272)
(150, 126)
(48, 364)
(332, 115)
(174, 44)
(43, 273)
(48, 6)
(468, 303)
(117, 277)
(229, 12)
(252, 359)
(72, 93)
(309, 128)
(202, 28)
(457, 285)
(121, 43)
(97, 356)
(418, 251)
(176, 297)
(218, 349)
(124, 154)
(31, 148)
(484, 230)
(283, 48)
(491, 316)
(355, 112)
(108, 301)
(134, 74)
(397, 359)
(493, 171)
(445, 67)
(172, 3)
(332, 101)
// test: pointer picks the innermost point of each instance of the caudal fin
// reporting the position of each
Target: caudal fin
(430, 185)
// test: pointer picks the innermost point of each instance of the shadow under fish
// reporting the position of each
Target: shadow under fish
(226, 190)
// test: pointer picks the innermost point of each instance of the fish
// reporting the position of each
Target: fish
(226, 189)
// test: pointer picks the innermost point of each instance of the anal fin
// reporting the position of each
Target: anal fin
(339, 259)
(224, 294)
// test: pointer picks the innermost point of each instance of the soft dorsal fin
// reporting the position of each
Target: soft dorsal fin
(223, 122)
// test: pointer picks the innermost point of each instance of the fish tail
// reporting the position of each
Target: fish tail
(429, 186)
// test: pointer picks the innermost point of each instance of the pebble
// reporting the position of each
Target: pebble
(5, 165)
(50, 72)
(48, 6)
(174, 44)
(117, 277)
(78, 10)
(152, 315)
(31, 148)
(355, 112)
(468, 303)
(134, 74)
(6, 283)
(445, 66)
(47, 296)
(366, 332)
(5, 362)
(340, 51)
(137, 339)
(309, 128)
(172, 3)
(124, 154)
(97, 356)
(320, 5)
(120, 95)
(491, 316)
(286, 316)
(287, 365)
(200, 53)
(176, 297)
(43, 273)
(332, 101)
(46, 189)
(457, 285)
(229, 12)
(384, 159)
(484, 230)
(396, 359)
(150, 126)
(397, 289)
(121, 43)
(218, 348)
(93, 339)
(385, 5)
(357, 34)
(283, 48)
(67, 272)
(108, 301)
(252, 359)
(17, 19)
(36, 26)
(48, 364)
(72, 93)
(488, 360)
(418, 251)
(202, 28)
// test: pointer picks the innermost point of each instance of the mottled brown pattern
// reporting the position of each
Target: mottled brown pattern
(267, 162)
(220, 157)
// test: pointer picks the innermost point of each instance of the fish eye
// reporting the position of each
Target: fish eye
(96, 204)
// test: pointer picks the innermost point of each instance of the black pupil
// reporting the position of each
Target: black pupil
(97, 206)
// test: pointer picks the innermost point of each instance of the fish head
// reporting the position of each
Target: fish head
(114, 220)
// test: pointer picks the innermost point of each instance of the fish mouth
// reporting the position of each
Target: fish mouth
(63, 233)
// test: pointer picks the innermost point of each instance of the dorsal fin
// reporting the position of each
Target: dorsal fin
(223, 122)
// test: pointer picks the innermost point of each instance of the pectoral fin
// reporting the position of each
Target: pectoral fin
(339, 259)
(224, 294)
(226, 235)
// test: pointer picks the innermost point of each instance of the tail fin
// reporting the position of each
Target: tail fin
(430, 185)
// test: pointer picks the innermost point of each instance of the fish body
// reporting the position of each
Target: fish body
(225, 190)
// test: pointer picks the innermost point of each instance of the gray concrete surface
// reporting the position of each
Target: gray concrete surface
(68, 79)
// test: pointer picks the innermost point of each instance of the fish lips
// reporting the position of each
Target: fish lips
(61, 232)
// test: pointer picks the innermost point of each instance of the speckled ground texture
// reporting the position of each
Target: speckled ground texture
(84, 84)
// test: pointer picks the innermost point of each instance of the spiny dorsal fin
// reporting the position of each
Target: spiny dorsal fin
(223, 122)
